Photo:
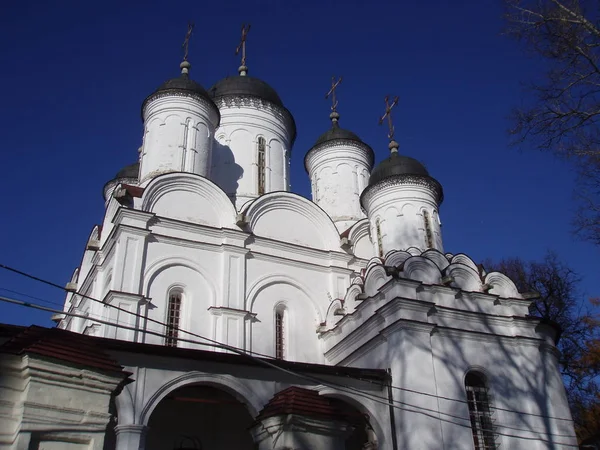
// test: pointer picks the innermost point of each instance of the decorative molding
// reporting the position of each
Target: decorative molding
(247, 101)
(403, 180)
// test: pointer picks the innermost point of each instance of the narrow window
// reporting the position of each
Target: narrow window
(173, 315)
(379, 238)
(279, 334)
(480, 411)
(184, 146)
(428, 233)
(262, 145)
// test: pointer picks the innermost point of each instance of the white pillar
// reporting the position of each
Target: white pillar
(131, 437)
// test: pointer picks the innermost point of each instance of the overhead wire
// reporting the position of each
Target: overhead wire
(337, 386)
(118, 308)
(441, 397)
(217, 343)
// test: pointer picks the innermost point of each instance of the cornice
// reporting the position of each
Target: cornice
(133, 216)
(403, 180)
(120, 295)
(481, 336)
(248, 101)
(337, 144)
(208, 103)
(225, 311)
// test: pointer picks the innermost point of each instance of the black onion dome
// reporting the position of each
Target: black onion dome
(183, 84)
(245, 85)
(337, 133)
(130, 171)
(397, 165)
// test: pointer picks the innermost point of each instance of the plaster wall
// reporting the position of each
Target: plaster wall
(178, 136)
(397, 214)
(339, 171)
(48, 405)
(235, 161)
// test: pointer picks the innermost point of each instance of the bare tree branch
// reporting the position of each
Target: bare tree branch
(564, 115)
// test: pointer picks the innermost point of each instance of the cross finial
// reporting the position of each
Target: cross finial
(186, 41)
(242, 47)
(334, 85)
(388, 114)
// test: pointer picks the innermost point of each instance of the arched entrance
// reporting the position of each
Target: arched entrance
(199, 417)
(362, 437)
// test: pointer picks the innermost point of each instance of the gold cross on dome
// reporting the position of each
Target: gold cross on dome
(388, 115)
(242, 46)
(334, 85)
(186, 41)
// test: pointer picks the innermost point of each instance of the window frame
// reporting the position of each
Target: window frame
(479, 403)
(261, 163)
(173, 316)
(279, 328)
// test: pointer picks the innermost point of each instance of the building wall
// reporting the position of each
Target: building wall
(178, 136)
(47, 405)
(235, 162)
(339, 172)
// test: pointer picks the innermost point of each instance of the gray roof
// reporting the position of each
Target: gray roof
(130, 171)
(335, 133)
(402, 166)
(397, 165)
(245, 85)
(183, 84)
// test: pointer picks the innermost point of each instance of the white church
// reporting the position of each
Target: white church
(215, 309)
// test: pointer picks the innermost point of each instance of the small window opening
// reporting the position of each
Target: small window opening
(379, 238)
(279, 335)
(173, 316)
(480, 412)
(262, 145)
(428, 233)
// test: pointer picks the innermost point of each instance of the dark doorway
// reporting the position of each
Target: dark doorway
(199, 417)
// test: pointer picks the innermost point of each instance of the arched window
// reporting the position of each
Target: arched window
(280, 333)
(173, 317)
(379, 238)
(428, 233)
(261, 150)
(480, 411)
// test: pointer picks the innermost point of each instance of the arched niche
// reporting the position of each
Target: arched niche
(290, 218)
(303, 316)
(359, 236)
(189, 197)
(197, 295)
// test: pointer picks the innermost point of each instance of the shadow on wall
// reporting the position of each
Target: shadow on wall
(507, 368)
(226, 172)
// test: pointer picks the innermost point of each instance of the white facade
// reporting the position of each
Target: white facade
(272, 274)
(179, 130)
(248, 127)
(339, 170)
(403, 213)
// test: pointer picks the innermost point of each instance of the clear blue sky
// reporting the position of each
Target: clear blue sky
(74, 75)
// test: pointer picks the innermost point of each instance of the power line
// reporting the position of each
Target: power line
(135, 314)
(233, 349)
(338, 386)
(466, 402)
(50, 302)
